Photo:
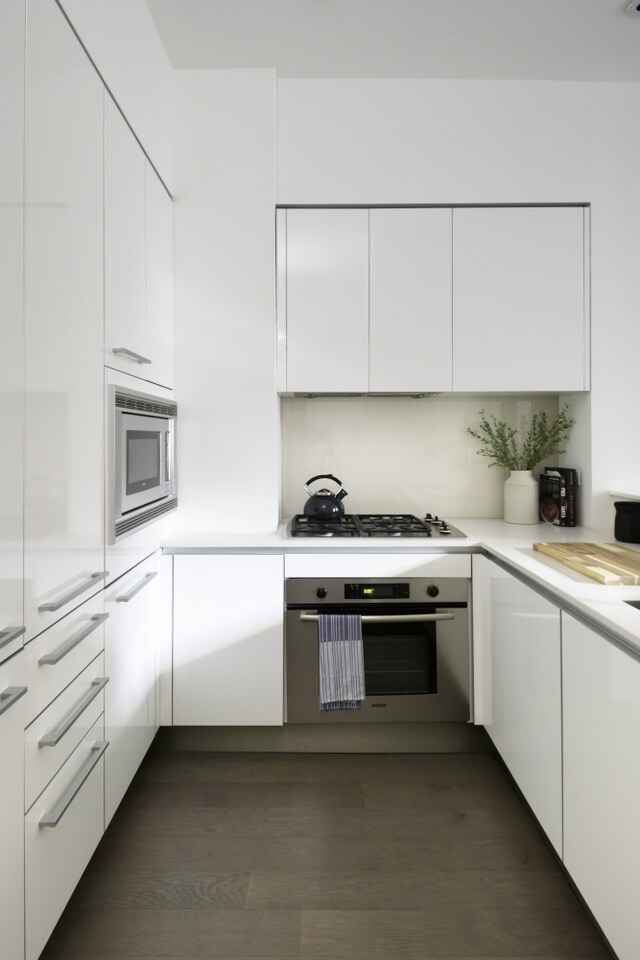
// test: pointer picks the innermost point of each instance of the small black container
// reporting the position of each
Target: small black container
(627, 523)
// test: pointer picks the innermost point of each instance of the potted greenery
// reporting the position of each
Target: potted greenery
(520, 450)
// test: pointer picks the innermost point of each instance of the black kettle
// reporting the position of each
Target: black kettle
(323, 504)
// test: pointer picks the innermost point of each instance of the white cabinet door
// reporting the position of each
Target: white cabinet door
(12, 690)
(519, 299)
(11, 323)
(124, 212)
(228, 640)
(159, 284)
(410, 300)
(524, 717)
(131, 665)
(64, 448)
(327, 300)
(601, 712)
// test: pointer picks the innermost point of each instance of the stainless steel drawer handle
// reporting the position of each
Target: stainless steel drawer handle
(9, 634)
(129, 353)
(75, 592)
(10, 696)
(57, 655)
(53, 818)
(391, 618)
(55, 736)
(148, 577)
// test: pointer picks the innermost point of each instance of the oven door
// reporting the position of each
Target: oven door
(416, 660)
(144, 461)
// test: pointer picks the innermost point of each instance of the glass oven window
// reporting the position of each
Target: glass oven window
(143, 460)
(399, 659)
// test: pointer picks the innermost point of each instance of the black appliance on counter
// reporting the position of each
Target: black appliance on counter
(372, 525)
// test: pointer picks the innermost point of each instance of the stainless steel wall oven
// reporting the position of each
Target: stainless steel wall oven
(416, 644)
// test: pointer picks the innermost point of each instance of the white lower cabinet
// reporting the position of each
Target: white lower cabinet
(601, 708)
(131, 665)
(228, 640)
(62, 829)
(12, 691)
(524, 716)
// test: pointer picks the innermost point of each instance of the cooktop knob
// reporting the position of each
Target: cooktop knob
(433, 590)
(321, 593)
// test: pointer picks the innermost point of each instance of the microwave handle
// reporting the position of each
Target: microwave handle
(390, 618)
(167, 458)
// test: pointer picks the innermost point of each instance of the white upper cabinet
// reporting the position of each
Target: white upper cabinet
(410, 300)
(327, 301)
(519, 304)
(64, 448)
(138, 259)
(11, 322)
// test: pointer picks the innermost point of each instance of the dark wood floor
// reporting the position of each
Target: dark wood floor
(323, 857)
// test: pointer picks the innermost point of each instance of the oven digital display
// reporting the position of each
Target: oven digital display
(376, 591)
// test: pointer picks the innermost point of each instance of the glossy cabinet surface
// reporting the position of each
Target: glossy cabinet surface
(601, 709)
(524, 718)
(131, 664)
(159, 279)
(12, 690)
(228, 640)
(519, 310)
(12, 52)
(64, 450)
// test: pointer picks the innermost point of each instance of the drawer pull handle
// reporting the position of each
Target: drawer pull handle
(391, 618)
(56, 604)
(9, 634)
(10, 696)
(129, 353)
(54, 736)
(53, 818)
(148, 577)
(57, 655)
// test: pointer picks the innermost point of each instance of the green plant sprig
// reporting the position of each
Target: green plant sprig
(525, 448)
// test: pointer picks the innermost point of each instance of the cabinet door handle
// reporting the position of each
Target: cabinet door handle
(9, 634)
(148, 577)
(75, 592)
(53, 818)
(55, 736)
(10, 696)
(129, 353)
(57, 655)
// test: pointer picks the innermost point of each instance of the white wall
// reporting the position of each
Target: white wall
(224, 166)
(437, 141)
(121, 38)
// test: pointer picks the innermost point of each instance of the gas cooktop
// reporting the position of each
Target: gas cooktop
(372, 525)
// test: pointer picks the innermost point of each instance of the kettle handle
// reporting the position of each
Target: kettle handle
(323, 476)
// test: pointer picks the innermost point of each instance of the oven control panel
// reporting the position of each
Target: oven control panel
(376, 591)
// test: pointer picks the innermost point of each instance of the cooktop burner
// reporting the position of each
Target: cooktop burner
(372, 525)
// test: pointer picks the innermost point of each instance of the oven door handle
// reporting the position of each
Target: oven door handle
(306, 617)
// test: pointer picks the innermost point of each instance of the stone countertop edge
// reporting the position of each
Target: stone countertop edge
(598, 606)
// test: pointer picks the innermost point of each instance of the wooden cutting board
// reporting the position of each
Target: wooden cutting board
(605, 562)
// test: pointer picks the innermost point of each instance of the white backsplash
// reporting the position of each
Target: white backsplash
(398, 454)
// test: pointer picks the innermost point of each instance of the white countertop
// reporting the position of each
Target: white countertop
(512, 544)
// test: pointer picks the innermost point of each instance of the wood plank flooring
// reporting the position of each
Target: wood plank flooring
(323, 857)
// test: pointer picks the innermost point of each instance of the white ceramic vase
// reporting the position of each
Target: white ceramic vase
(521, 498)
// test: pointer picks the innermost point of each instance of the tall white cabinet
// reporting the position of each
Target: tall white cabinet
(64, 449)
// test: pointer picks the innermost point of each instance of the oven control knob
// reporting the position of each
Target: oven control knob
(321, 593)
(433, 590)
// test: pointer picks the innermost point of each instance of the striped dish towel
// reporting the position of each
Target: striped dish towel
(341, 661)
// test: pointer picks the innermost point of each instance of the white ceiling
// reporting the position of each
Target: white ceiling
(467, 39)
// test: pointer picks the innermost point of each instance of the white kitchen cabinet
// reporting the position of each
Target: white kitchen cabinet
(64, 449)
(12, 690)
(327, 300)
(12, 324)
(601, 712)
(228, 640)
(524, 716)
(410, 300)
(519, 301)
(159, 279)
(131, 665)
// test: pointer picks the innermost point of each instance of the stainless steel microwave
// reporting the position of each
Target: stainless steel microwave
(142, 440)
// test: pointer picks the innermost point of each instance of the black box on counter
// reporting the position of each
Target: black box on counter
(558, 495)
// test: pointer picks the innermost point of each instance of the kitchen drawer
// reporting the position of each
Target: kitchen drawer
(59, 654)
(62, 830)
(56, 733)
(377, 565)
